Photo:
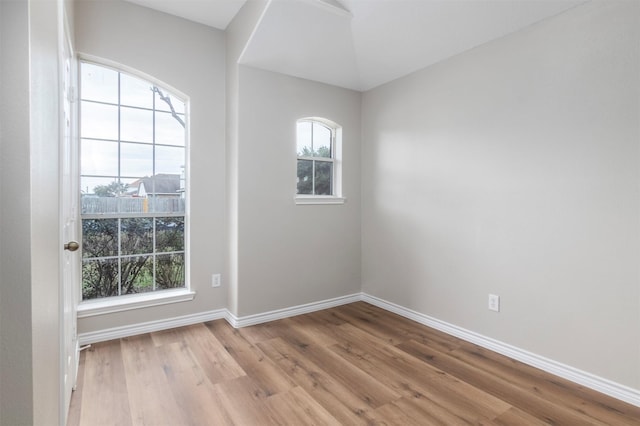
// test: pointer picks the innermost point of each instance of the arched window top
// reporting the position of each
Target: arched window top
(110, 84)
(103, 66)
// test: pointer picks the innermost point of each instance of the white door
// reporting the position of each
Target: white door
(70, 230)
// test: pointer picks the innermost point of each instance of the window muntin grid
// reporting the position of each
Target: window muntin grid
(133, 184)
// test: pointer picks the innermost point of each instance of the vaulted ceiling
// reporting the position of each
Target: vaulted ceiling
(360, 44)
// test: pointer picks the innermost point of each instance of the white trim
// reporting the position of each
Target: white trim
(248, 320)
(605, 386)
(236, 322)
(110, 305)
(149, 327)
(309, 200)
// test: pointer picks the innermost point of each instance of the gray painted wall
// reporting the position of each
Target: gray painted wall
(283, 255)
(513, 169)
(190, 58)
(292, 254)
(237, 34)
(16, 384)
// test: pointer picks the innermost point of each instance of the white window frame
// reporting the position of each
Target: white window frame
(107, 305)
(336, 160)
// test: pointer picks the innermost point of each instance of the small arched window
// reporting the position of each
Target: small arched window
(318, 168)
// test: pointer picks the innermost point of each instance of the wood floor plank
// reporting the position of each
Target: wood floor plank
(359, 382)
(392, 414)
(105, 381)
(515, 416)
(306, 325)
(330, 316)
(369, 324)
(150, 396)
(331, 394)
(165, 337)
(401, 371)
(195, 396)
(211, 355)
(423, 411)
(410, 330)
(354, 365)
(260, 332)
(244, 400)
(297, 408)
(499, 388)
(545, 386)
(251, 359)
(434, 388)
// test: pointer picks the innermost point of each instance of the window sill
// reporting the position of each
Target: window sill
(319, 200)
(110, 305)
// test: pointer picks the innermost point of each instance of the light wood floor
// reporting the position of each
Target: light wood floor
(350, 365)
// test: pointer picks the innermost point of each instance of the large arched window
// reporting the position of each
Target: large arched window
(318, 165)
(133, 184)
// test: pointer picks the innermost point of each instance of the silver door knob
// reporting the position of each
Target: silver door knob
(72, 246)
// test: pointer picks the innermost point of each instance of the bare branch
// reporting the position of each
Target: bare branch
(167, 99)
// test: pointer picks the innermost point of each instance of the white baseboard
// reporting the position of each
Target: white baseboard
(236, 322)
(148, 327)
(607, 387)
(248, 320)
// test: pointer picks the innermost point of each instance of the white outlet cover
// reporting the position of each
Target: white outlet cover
(494, 303)
(215, 280)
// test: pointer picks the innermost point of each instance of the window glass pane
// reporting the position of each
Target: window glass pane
(163, 104)
(95, 196)
(167, 196)
(136, 159)
(169, 234)
(99, 237)
(99, 157)
(99, 83)
(99, 278)
(88, 184)
(305, 177)
(136, 125)
(304, 139)
(136, 235)
(170, 271)
(99, 121)
(169, 130)
(137, 274)
(169, 160)
(135, 92)
(321, 141)
(324, 176)
(132, 163)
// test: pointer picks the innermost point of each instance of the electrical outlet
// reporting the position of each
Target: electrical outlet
(494, 303)
(215, 280)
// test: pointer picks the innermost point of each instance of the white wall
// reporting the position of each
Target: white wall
(292, 254)
(237, 34)
(513, 169)
(189, 57)
(45, 31)
(16, 385)
(29, 311)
